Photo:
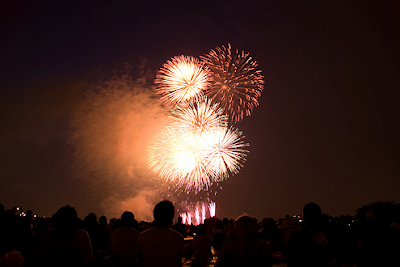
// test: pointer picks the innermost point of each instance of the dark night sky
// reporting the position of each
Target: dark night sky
(326, 129)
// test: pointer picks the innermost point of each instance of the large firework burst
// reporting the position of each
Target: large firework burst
(181, 79)
(236, 84)
(197, 149)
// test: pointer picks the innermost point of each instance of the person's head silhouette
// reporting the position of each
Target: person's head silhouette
(245, 227)
(65, 220)
(127, 219)
(312, 214)
(164, 213)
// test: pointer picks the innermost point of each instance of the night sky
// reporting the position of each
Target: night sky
(326, 129)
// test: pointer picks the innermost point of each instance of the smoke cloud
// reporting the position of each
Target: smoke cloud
(112, 127)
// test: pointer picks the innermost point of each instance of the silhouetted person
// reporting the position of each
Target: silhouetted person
(247, 250)
(218, 236)
(27, 235)
(10, 254)
(271, 233)
(124, 241)
(64, 245)
(201, 246)
(227, 227)
(180, 227)
(160, 245)
(379, 244)
(287, 228)
(94, 231)
(105, 233)
(310, 245)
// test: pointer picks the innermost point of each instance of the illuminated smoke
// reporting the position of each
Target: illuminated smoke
(120, 130)
(111, 129)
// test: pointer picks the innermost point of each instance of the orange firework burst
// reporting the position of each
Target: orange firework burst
(181, 79)
(192, 155)
(236, 84)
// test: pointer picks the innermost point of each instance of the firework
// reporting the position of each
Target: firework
(236, 84)
(211, 208)
(193, 152)
(181, 79)
(198, 211)
(227, 154)
(197, 215)
(184, 217)
(203, 213)
(199, 116)
(177, 157)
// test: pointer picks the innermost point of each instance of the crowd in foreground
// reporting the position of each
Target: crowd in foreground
(370, 239)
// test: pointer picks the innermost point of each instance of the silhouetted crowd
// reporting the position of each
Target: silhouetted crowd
(371, 238)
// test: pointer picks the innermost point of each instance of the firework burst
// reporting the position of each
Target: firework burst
(199, 212)
(236, 84)
(197, 149)
(181, 79)
(226, 156)
(199, 116)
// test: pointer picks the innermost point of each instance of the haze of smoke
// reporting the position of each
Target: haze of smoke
(112, 128)
(141, 205)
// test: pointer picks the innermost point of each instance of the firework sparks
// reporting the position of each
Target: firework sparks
(197, 216)
(203, 213)
(184, 217)
(236, 84)
(227, 155)
(181, 79)
(198, 148)
(199, 116)
(193, 155)
(200, 211)
(211, 208)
